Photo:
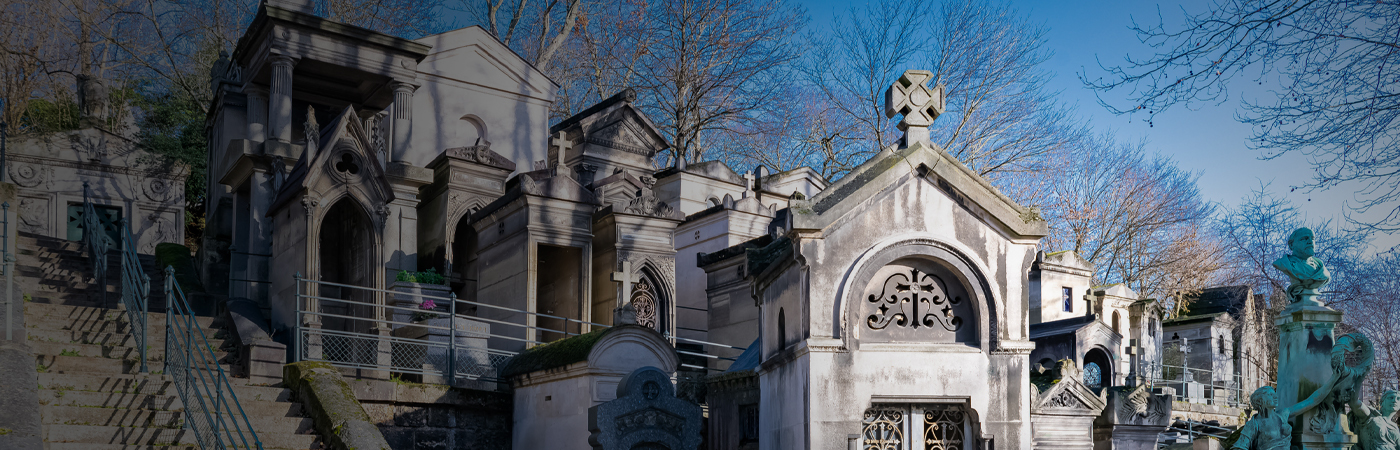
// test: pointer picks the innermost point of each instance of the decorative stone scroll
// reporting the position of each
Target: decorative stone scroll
(919, 300)
(645, 415)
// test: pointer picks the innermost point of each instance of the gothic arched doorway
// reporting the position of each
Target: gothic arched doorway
(463, 272)
(346, 256)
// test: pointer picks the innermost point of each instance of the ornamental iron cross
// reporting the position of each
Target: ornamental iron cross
(911, 97)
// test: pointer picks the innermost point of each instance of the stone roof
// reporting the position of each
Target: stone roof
(966, 187)
(762, 257)
(710, 169)
(703, 259)
(1224, 299)
(1062, 326)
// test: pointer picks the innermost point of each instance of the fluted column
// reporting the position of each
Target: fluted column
(403, 119)
(279, 109)
(257, 112)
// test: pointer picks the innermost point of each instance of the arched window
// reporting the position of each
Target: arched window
(1115, 322)
(711, 202)
(1152, 328)
(1093, 375)
(1222, 345)
(782, 329)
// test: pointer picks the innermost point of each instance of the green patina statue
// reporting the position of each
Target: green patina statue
(1269, 429)
(1376, 428)
(1306, 273)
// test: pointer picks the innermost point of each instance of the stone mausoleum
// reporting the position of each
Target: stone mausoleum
(894, 308)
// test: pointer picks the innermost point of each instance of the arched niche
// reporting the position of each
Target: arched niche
(468, 131)
(346, 253)
(936, 269)
(652, 298)
(1099, 357)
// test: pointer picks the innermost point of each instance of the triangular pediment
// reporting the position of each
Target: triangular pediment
(921, 163)
(340, 159)
(472, 56)
(615, 123)
(1069, 396)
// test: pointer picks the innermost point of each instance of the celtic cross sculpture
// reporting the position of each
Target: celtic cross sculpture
(911, 97)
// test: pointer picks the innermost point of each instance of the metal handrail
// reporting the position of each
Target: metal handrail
(212, 408)
(96, 242)
(309, 306)
(136, 290)
(7, 260)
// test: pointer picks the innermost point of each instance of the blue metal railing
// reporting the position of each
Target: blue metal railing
(212, 409)
(96, 242)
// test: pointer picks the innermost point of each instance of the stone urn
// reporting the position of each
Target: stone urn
(410, 295)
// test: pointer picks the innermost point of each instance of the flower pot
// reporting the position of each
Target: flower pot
(410, 295)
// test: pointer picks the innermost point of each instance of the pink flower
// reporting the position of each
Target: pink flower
(428, 304)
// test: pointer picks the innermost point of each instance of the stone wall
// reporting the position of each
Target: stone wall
(1196, 412)
(428, 416)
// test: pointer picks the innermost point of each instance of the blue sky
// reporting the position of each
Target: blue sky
(1206, 139)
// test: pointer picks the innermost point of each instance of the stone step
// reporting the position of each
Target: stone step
(105, 338)
(152, 418)
(97, 434)
(91, 446)
(104, 325)
(153, 352)
(153, 385)
(87, 399)
(95, 312)
(88, 365)
(112, 417)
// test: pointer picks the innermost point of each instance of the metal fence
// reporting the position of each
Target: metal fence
(212, 409)
(7, 264)
(357, 327)
(1201, 385)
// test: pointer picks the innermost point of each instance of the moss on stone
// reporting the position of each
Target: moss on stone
(554, 354)
(335, 411)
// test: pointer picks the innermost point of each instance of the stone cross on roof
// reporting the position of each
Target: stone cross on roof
(911, 97)
(748, 183)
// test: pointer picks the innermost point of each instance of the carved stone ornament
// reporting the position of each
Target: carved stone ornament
(158, 190)
(480, 154)
(644, 301)
(309, 203)
(27, 175)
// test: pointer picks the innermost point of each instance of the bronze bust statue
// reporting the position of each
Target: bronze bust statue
(1306, 273)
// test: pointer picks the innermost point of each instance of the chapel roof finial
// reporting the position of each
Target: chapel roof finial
(920, 105)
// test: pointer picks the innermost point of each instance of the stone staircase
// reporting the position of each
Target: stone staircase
(92, 395)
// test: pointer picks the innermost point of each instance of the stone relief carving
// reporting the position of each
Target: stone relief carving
(158, 190)
(646, 414)
(644, 302)
(480, 154)
(309, 203)
(161, 230)
(92, 146)
(28, 175)
(33, 215)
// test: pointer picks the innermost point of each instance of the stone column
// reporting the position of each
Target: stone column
(259, 241)
(279, 109)
(1305, 364)
(403, 119)
(257, 112)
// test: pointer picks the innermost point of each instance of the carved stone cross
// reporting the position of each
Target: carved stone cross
(627, 279)
(748, 183)
(911, 97)
(563, 144)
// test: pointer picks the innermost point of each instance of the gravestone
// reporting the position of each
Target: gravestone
(1062, 414)
(1132, 418)
(645, 415)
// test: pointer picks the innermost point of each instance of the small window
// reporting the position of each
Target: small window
(782, 330)
(1093, 375)
(1115, 322)
(1222, 345)
(1068, 299)
(750, 415)
(1152, 328)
